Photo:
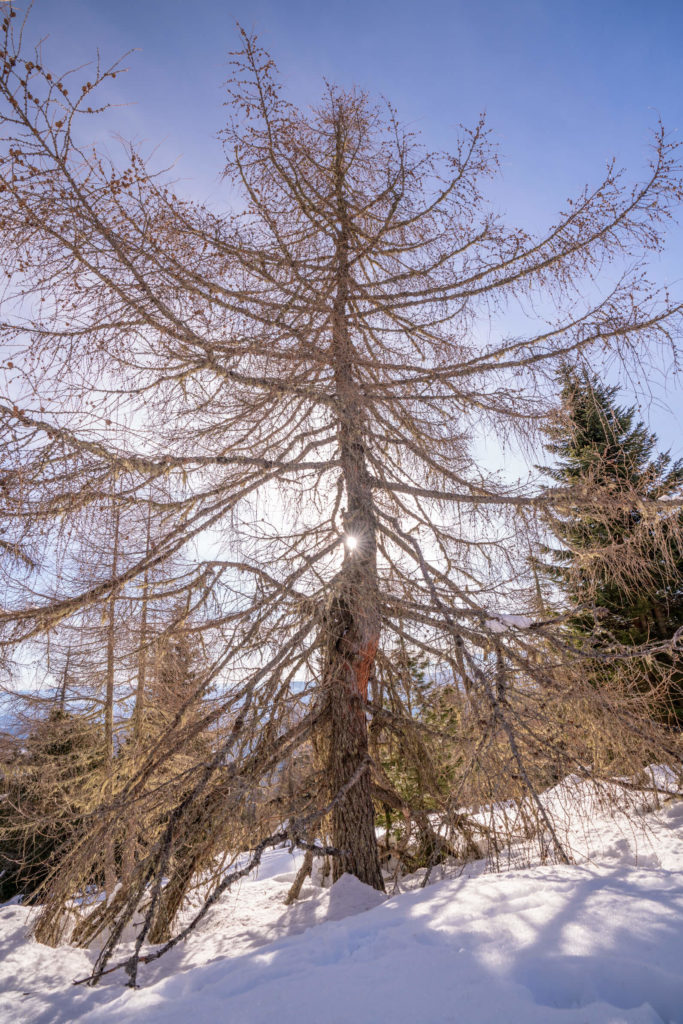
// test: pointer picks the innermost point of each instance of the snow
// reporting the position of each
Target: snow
(503, 622)
(598, 942)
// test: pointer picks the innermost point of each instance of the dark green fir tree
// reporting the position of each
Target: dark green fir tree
(620, 572)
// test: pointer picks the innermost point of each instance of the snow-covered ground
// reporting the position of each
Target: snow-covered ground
(599, 942)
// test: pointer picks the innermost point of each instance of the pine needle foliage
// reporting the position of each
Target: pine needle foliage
(598, 443)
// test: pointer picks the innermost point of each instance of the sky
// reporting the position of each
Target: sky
(565, 86)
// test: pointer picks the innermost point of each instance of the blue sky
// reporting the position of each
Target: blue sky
(565, 86)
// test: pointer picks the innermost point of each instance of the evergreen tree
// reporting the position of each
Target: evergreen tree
(621, 572)
(47, 782)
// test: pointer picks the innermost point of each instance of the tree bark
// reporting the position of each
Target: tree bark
(353, 816)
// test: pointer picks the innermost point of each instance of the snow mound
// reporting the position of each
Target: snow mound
(348, 896)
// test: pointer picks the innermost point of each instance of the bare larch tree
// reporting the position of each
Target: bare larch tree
(307, 373)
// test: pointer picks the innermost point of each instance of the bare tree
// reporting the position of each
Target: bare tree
(307, 375)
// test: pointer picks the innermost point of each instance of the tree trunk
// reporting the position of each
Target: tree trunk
(353, 621)
(109, 855)
(171, 900)
(65, 678)
(353, 816)
(301, 876)
(132, 831)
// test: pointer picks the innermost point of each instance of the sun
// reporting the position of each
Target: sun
(351, 542)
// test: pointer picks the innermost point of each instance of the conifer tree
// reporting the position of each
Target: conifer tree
(46, 778)
(599, 443)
